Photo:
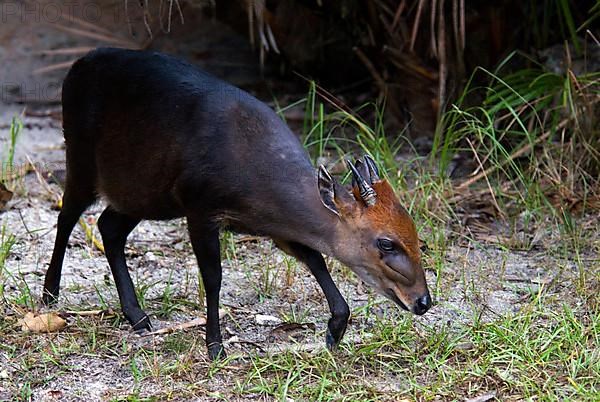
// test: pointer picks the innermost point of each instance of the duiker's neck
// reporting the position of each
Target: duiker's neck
(310, 222)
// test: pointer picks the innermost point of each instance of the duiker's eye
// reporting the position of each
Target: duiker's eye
(385, 245)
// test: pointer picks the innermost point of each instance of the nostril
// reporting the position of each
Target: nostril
(427, 300)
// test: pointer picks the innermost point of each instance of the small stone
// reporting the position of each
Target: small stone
(150, 256)
(262, 319)
(464, 346)
(233, 339)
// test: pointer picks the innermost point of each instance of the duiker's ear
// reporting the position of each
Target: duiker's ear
(327, 190)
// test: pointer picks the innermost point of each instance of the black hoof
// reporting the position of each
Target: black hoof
(335, 332)
(139, 320)
(216, 351)
(331, 342)
(143, 325)
(49, 298)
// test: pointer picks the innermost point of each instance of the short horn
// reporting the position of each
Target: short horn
(367, 193)
(372, 169)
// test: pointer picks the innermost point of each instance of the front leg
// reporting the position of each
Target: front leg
(205, 242)
(340, 312)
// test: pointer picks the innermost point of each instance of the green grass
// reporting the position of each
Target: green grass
(8, 162)
(542, 352)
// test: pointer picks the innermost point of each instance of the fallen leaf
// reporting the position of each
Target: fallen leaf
(5, 196)
(48, 322)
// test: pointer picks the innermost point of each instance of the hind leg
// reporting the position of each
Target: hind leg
(74, 204)
(114, 228)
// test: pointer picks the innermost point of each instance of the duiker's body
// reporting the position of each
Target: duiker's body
(159, 139)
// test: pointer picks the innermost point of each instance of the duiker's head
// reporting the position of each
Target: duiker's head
(376, 237)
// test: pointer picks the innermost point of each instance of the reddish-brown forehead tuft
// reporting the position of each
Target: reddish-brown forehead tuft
(387, 216)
